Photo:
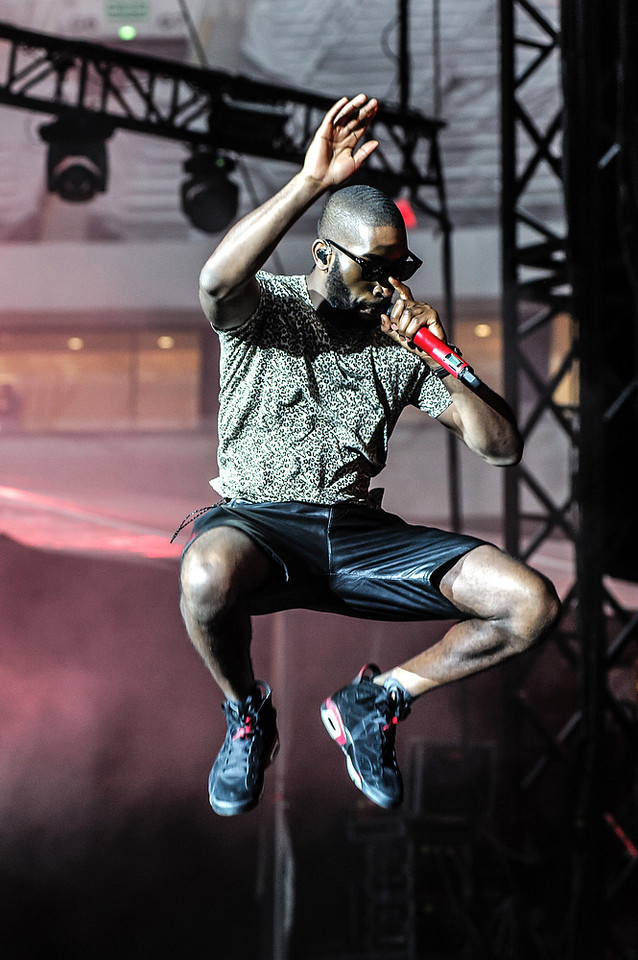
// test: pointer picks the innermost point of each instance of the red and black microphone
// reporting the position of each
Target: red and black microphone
(448, 359)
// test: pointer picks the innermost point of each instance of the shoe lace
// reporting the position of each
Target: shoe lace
(388, 716)
(388, 737)
(395, 707)
(242, 730)
(247, 730)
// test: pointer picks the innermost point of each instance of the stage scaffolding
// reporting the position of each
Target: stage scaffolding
(569, 310)
(86, 84)
(576, 810)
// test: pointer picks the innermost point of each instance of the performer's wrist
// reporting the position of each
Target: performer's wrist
(309, 185)
(442, 372)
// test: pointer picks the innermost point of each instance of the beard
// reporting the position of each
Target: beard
(348, 310)
(338, 293)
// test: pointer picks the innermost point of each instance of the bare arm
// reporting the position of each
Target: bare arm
(228, 290)
(482, 420)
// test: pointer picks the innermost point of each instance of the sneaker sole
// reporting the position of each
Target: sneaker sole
(228, 809)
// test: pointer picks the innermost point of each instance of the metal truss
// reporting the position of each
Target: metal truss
(206, 108)
(106, 89)
(422, 904)
(563, 713)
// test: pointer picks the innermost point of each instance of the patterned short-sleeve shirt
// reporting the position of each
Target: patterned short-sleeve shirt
(307, 409)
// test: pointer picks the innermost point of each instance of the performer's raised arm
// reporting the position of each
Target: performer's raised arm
(228, 290)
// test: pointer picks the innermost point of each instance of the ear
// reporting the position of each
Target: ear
(321, 252)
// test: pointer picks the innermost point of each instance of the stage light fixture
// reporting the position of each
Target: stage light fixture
(77, 163)
(209, 197)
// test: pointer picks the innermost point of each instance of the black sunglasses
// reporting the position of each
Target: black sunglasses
(377, 270)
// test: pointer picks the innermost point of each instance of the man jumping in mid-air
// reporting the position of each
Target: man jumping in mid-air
(314, 373)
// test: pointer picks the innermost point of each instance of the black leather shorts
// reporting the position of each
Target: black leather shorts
(346, 559)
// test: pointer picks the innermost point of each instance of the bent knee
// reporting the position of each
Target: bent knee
(546, 604)
(206, 584)
(539, 611)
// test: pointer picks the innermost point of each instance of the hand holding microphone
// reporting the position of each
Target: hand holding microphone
(446, 356)
(405, 323)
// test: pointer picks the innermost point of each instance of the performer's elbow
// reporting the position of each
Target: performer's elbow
(504, 450)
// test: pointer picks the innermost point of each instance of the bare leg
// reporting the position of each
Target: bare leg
(218, 570)
(510, 607)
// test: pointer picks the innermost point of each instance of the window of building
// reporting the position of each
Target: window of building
(104, 380)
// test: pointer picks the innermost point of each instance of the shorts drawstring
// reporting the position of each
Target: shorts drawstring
(194, 515)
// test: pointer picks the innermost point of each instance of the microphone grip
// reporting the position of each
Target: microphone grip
(446, 357)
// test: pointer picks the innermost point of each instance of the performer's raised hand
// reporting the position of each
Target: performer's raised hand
(336, 151)
(229, 292)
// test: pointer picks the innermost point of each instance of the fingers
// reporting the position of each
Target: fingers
(364, 152)
(390, 327)
(343, 109)
(407, 316)
(401, 288)
(334, 111)
(351, 118)
(336, 151)
(359, 108)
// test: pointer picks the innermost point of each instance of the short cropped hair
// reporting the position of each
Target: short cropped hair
(357, 204)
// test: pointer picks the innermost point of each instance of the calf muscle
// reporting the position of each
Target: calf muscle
(508, 607)
(218, 570)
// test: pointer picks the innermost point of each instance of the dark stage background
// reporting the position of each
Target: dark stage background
(110, 724)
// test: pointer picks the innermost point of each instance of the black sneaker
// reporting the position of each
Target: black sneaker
(236, 781)
(362, 719)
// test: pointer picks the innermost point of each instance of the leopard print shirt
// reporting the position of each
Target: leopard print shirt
(306, 410)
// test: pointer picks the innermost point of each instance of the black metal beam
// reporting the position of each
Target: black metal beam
(88, 82)
(549, 271)
(205, 107)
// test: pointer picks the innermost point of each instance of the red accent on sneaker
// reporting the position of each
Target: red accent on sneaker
(246, 730)
(367, 671)
(338, 732)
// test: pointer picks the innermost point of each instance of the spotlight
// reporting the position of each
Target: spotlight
(209, 197)
(77, 166)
